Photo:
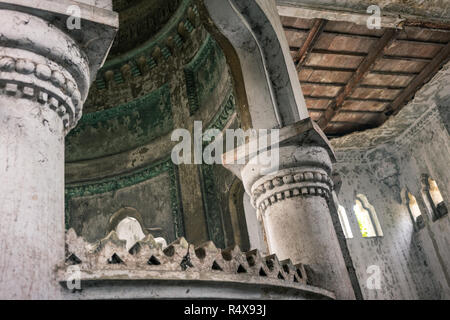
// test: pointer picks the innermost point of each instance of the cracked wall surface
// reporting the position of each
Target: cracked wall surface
(381, 163)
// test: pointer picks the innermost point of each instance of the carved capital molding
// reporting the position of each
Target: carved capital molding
(289, 183)
(41, 63)
(301, 165)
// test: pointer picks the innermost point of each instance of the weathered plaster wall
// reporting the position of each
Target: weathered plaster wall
(382, 162)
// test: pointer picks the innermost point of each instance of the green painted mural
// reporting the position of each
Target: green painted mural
(142, 176)
(121, 128)
(203, 73)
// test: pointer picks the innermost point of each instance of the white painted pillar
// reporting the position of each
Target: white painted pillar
(44, 79)
(292, 199)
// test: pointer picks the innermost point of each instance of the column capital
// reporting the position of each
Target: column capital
(43, 61)
(305, 179)
(302, 168)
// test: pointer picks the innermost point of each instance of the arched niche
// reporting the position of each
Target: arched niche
(251, 35)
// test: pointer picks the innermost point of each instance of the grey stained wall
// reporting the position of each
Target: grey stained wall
(381, 163)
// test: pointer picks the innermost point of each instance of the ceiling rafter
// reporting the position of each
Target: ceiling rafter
(438, 61)
(364, 68)
(313, 35)
(417, 52)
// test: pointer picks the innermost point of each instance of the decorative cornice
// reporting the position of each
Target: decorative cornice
(110, 254)
(291, 183)
(159, 48)
(140, 21)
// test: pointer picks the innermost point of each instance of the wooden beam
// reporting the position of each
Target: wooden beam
(331, 69)
(364, 68)
(310, 41)
(344, 53)
(438, 61)
(437, 25)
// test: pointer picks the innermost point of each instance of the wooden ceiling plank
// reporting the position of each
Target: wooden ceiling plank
(394, 73)
(311, 39)
(321, 68)
(340, 52)
(369, 99)
(369, 86)
(438, 26)
(361, 72)
(407, 58)
(438, 61)
(349, 34)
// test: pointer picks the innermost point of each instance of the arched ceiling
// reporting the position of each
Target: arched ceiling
(176, 74)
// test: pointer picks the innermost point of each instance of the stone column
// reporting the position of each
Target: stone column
(44, 79)
(292, 199)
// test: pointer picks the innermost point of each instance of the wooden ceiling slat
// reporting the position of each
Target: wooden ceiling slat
(438, 61)
(421, 42)
(296, 39)
(375, 52)
(335, 42)
(350, 34)
(366, 93)
(309, 42)
(351, 28)
(394, 73)
(333, 62)
(292, 22)
(380, 79)
(367, 105)
(339, 52)
(357, 117)
(406, 58)
(323, 83)
(320, 91)
(383, 86)
(420, 50)
(399, 65)
(321, 104)
(369, 99)
(324, 76)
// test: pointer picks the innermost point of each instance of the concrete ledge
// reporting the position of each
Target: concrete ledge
(119, 284)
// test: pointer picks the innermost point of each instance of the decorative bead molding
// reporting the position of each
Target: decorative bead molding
(110, 254)
(51, 70)
(23, 78)
(287, 184)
